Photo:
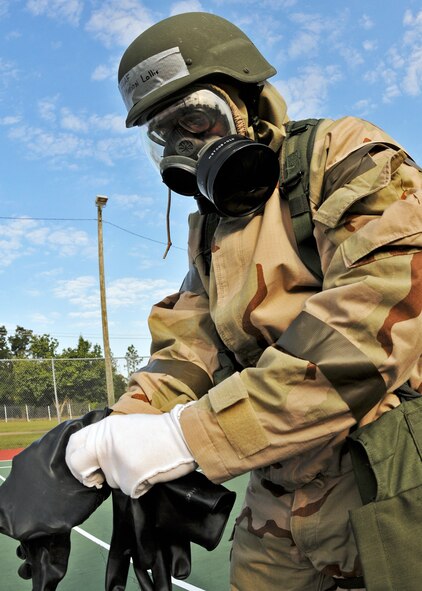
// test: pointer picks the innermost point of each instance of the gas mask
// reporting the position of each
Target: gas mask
(195, 146)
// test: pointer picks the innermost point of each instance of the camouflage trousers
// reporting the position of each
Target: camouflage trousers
(295, 541)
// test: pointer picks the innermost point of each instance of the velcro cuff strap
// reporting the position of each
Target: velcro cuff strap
(237, 418)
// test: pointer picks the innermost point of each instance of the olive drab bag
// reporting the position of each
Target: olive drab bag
(387, 461)
(386, 454)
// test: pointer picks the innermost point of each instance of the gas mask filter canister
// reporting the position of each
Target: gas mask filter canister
(195, 146)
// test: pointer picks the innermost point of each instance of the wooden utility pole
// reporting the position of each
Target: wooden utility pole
(101, 202)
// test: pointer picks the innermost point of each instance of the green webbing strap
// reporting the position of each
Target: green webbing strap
(294, 183)
(210, 226)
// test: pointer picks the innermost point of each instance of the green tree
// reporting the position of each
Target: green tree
(133, 360)
(83, 349)
(20, 342)
(28, 378)
(5, 352)
(43, 346)
(32, 382)
(6, 381)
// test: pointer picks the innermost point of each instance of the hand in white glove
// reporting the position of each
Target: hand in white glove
(131, 452)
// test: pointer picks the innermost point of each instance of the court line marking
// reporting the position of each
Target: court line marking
(1, 478)
(96, 540)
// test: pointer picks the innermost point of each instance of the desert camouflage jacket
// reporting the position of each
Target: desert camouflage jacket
(280, 366)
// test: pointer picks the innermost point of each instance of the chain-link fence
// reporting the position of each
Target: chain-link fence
(58, 388)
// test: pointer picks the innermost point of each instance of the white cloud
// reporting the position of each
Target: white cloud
(79, 123)
(396, 59)
(70, 147)
(391, 91)
(389, 77)
(20, 237)
(4, 8)
(8, 72)
(401, 70)
(412, 53)
(412, 82)
(39, 318)
(118, 22)
(10, 120)
(70, 241)
(130, 291)
(351, 55)
(124, 292)
(186, 6)
(310, 22)
(47, 108)
(366, 22)
(13, 35)
(305, 42)
(306, 94)
(412, 20)
(113, 123)
(12, 240)
(61, 10)
(82, 291)
(268, 4)
(363, 107)
(107, 71)
(87, 315)
(41, 143)
(369, 45)
(73, 122)
(132, 201)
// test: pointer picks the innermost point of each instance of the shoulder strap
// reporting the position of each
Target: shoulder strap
(294, 185)
(210, 226)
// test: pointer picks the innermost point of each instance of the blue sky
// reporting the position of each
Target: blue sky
(63, 141)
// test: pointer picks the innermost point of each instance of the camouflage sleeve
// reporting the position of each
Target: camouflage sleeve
(186, 352)
(354, 341)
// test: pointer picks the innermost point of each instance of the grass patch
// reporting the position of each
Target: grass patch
(20, 433)
(14, 425)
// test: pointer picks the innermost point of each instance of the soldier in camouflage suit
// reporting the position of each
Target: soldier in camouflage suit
(278, 366)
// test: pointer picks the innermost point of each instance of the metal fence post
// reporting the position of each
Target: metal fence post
(56, 399)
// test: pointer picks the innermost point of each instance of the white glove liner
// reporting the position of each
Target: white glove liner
(131, 452)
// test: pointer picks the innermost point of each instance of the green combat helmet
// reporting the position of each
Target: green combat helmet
(180, 50)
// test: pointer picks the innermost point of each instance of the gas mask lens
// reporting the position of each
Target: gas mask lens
(175, 136)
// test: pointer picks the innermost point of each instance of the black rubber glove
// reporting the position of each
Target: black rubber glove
(45, 560)
(41, 501)
(156, 530)
(136, 536)
(129, 542)
(195, 507)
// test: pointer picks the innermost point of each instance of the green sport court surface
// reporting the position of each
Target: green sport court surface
(88, 557)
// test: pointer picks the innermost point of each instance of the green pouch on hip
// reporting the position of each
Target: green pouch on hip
(387, 460)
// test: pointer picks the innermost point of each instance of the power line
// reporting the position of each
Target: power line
(48, 219)
(140, 236)
(38, 219)
(75, 336)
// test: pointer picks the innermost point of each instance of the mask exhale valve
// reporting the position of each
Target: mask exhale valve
(237, 174)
